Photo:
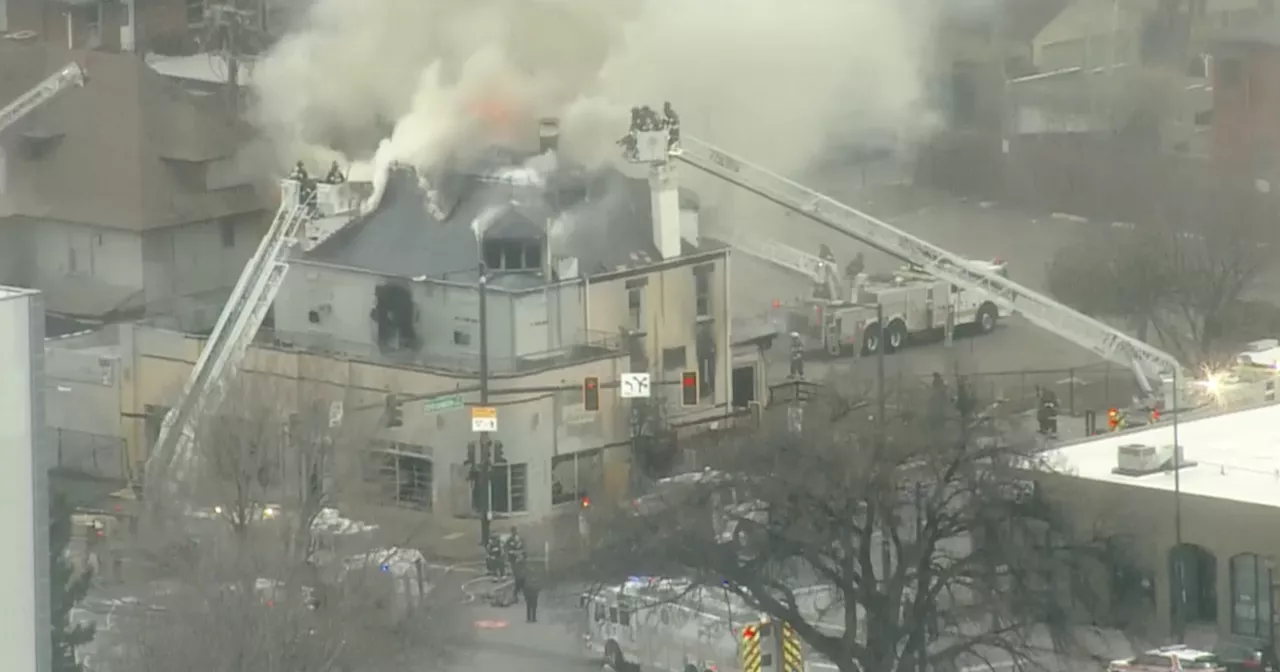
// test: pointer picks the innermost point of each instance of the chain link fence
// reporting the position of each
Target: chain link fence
(90, 454)
(1094, 387)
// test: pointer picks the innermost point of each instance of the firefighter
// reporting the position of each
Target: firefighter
(532, 588)
(299, 173)
(939, 397)
(335, 176)
(673, 125)
(797, 356)
(855, 267)
(493, 559)
(1047, 411)
(628, 145)
(825, 253)
(514, 548)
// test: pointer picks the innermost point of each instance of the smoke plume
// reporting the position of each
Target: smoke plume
(772, 80)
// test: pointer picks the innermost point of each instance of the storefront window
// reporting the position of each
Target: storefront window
(508, 490)
(1250, 596)
(575, 475)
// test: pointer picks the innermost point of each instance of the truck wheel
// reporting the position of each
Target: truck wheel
(871, 340)
(897, 336)
(986, 319)
(613, 656)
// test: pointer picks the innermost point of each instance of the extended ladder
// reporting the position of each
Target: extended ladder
(821, 271)
(167, 465)
(71, 75)
(1150, 365)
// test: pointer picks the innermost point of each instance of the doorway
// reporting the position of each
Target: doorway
(744, 385)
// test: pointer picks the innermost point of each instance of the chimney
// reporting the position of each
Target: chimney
(548, 135)
(664, 204)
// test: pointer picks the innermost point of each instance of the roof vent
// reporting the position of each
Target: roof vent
(1136, 459)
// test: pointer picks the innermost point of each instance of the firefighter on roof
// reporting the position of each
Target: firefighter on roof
(797, 356)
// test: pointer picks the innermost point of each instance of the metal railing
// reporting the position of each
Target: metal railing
(583, 345)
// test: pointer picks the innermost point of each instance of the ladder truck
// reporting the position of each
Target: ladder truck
(842, 318)
(48, 89)
(167, 472)
(1158, 373)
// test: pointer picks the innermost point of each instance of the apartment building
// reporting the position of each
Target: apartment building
(569, 266)
(129, 191)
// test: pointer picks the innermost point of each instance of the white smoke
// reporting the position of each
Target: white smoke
(773, 80)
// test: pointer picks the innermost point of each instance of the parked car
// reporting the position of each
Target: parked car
(1170, 659)
(1248, 656)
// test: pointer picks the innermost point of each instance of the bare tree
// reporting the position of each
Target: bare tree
(378, 611)
(1179, 276)
(917, 529)
(266, 593)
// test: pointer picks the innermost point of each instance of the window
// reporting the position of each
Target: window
(702, 289)
(673, 359)
(576, 475)
(227, 229)
(195, 12)
(635, 303)
(1250, 596)
(461, 337)
(706, 342)
(401, 475)
(636, 318)
(638, 351)
(93, 25)
(508, 489)
(1230, 73)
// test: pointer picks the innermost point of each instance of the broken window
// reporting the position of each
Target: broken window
(393, 313)
(702, 289)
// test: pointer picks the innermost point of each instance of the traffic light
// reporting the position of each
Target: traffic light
(395, 415)
(499, 456)
(1113, 418)
(591, 393)
(586, 502)
(689, 389)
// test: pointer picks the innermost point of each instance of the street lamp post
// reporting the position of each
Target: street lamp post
(486, 448)
(1180, 570)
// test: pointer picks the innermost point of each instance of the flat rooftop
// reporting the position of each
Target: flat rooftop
(1237, 456)
(11, 292)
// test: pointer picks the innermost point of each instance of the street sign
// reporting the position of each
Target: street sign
(635, 385)
(484, 419)
(444, 403)
(335, 414)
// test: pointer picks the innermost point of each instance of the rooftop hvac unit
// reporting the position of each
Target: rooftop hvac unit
(1139, 459)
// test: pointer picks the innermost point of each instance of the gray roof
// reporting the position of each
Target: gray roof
(602, 218)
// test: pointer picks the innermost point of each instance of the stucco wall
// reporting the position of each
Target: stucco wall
(1224, 528)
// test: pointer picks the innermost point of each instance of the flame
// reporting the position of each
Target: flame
(494, 112)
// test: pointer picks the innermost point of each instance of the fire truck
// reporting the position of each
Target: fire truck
(680, 627)
(840, 316)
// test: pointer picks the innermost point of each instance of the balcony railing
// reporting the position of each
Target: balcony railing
(585, 345)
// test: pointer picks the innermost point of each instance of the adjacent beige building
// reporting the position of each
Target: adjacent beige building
(1222, 506)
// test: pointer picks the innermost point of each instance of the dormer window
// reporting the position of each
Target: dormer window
(513, 243)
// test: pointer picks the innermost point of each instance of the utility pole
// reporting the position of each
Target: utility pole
(881, 403)
(486, 447)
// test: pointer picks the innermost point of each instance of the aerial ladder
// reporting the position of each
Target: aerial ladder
(168, 467)
(48, 89)
(1158, 373)
(824, 273)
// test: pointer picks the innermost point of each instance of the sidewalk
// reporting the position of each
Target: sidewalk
(457, 540)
